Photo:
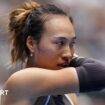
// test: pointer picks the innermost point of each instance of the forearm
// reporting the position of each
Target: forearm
(91, 74)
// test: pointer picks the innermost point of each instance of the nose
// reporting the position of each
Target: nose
(67, 54)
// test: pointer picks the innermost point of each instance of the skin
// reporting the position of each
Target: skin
(56, 47)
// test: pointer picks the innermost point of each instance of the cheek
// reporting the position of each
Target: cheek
(72, 49)
(47, 54)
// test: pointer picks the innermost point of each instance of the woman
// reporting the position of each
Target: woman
(44, 38)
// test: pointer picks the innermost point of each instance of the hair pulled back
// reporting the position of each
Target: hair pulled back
(28, 20)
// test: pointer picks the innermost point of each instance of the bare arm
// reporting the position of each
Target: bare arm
(88, 75)
(39, 82)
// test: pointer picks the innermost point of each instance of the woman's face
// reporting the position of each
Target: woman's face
(56, 47)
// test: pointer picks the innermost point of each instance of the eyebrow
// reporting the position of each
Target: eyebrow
(64, 38)
(74, 38)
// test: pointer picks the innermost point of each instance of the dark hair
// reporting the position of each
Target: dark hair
(29, 20)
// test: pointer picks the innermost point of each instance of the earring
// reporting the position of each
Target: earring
(31, 54)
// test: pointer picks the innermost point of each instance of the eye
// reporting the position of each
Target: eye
(60, 43)
(72, 43)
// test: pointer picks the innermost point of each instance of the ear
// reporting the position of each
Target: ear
(31, 44)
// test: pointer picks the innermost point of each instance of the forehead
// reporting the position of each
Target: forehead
(58, 25)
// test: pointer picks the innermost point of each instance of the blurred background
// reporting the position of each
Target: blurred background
(89, 24)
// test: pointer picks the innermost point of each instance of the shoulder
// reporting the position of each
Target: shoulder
(15, 83)
(28, 81)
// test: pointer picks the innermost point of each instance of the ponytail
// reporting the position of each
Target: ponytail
(18, 19)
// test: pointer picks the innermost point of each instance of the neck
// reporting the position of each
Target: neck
(30, 63)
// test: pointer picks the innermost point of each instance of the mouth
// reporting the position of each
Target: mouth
(63, 65)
